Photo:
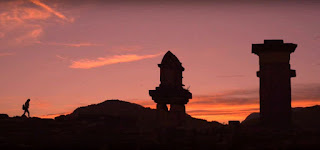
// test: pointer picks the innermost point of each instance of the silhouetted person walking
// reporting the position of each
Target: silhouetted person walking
(25, 107)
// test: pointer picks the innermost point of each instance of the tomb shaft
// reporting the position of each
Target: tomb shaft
(170, 90)
(275, 81)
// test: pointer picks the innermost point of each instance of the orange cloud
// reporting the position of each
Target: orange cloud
(238, 104)
(31, 36)
(49, 9)
(24, 21)
(83, 44)
(220, 111)
(6, 54)
(17, 13)
(305, 103)
(51, 116)
(132, 48)
(224, 112)
(61, 57)
(32, 14)
(103, 61)
(2, 35)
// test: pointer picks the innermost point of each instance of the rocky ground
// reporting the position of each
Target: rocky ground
(121, 125)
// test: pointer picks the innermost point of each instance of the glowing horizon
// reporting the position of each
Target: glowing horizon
(228, 112)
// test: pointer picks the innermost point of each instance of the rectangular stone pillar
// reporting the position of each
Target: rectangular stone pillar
(275, 82)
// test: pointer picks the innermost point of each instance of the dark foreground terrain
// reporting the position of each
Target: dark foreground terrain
(115, 124)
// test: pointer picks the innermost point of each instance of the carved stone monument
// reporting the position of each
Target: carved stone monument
(170, 90)
(275, 81)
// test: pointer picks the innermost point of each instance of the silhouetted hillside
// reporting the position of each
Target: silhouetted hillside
(112, 107)
(307, 117)
(120, 125)
(133, 114)
(303, 117)
(112, 124)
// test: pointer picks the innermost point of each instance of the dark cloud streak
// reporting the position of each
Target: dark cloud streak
(180, 2)
(222, 112)
(230, 76)
(300, 92)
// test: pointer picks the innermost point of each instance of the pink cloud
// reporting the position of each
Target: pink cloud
(24, 21)
(33, 13)
(51, 10)
(82, 44)
(2, 35)
(31, 36)
(61, 57)
(132, 48)
(103, 61)
(6, 54)
(17, 13)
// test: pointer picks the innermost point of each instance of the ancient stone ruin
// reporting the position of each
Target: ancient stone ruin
(170, 90)
(275, 84)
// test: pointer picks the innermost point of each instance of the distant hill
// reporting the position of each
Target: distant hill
(133, 114)
(304, 117)
(120, 125)
(114, 108)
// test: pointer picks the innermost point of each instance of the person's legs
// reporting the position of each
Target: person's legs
(28, 113)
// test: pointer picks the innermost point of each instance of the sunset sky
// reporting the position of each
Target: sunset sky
(63, 54)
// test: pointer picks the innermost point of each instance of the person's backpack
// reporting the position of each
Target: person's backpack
(23, 107)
